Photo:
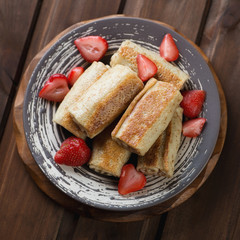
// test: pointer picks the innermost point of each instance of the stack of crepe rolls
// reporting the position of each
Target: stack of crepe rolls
(105, 100)
(161, 157)
(108, 157)
(89, 77)
(151, 125)
(167, 72)
(147, 116)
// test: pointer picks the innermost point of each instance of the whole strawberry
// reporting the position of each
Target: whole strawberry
(73, 152)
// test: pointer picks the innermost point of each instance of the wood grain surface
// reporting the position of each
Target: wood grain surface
(14, 27)
(211, 213)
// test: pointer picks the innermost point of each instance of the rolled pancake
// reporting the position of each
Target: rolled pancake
(62, 115)
(161, 157)
(147, 116)
(167, 72)
(107, 156)
(105, 100)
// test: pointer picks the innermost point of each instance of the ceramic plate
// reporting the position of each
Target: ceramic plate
(44, 137)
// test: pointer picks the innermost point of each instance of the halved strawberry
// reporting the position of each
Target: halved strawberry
(168, 48)
(130, 180)
(146, 67)
(193, 128)
(92, 48)
(55, 89)
(73, 152)
(192, 102)
(74, 74)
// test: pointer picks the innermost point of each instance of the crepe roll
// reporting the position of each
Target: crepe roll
(107, 156)
(105, 100)
(167, 72)
(147, 116)
(161, 158)
(62, 115)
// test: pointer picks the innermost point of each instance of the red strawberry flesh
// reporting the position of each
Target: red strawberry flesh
(74, 74)
(146, 67)
(130, 180)
(168, 48)
(192, 102)
(193, 128)
(92, 48)
(55, 89)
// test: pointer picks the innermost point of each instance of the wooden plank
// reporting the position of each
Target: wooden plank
(58, 15)
(14, 27)
(183, 15)
(139, 230)
(92, 229)
(213, 213)
(151, 227)
(68, 225)
(24, 209)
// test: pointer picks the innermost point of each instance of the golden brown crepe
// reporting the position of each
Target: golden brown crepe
(147, 116)
(167, 72)
(105, 100)
(89, 77)
(161, 157)
(107, 156)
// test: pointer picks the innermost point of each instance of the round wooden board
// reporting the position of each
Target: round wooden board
(46, 186)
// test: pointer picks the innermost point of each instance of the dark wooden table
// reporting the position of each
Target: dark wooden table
(213, 212)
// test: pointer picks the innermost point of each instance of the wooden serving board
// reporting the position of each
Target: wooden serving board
(46, 186)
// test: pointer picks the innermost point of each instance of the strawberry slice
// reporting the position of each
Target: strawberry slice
(192, 128)
(73, 152)
(55, 89)
(168, 48)
(130, 180)
(74, 74)
(146, 67)
(92, 48)
(192, 102)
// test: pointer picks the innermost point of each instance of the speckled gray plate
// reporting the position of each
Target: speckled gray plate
(44, 137)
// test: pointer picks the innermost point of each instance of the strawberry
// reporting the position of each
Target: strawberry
(192, 102)
(74, 74)
(67, 141)
(130, 180)
(193, 128)
(73, 152)
(168, 48)
(146, 68)
(92, 48)
(55, 89)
